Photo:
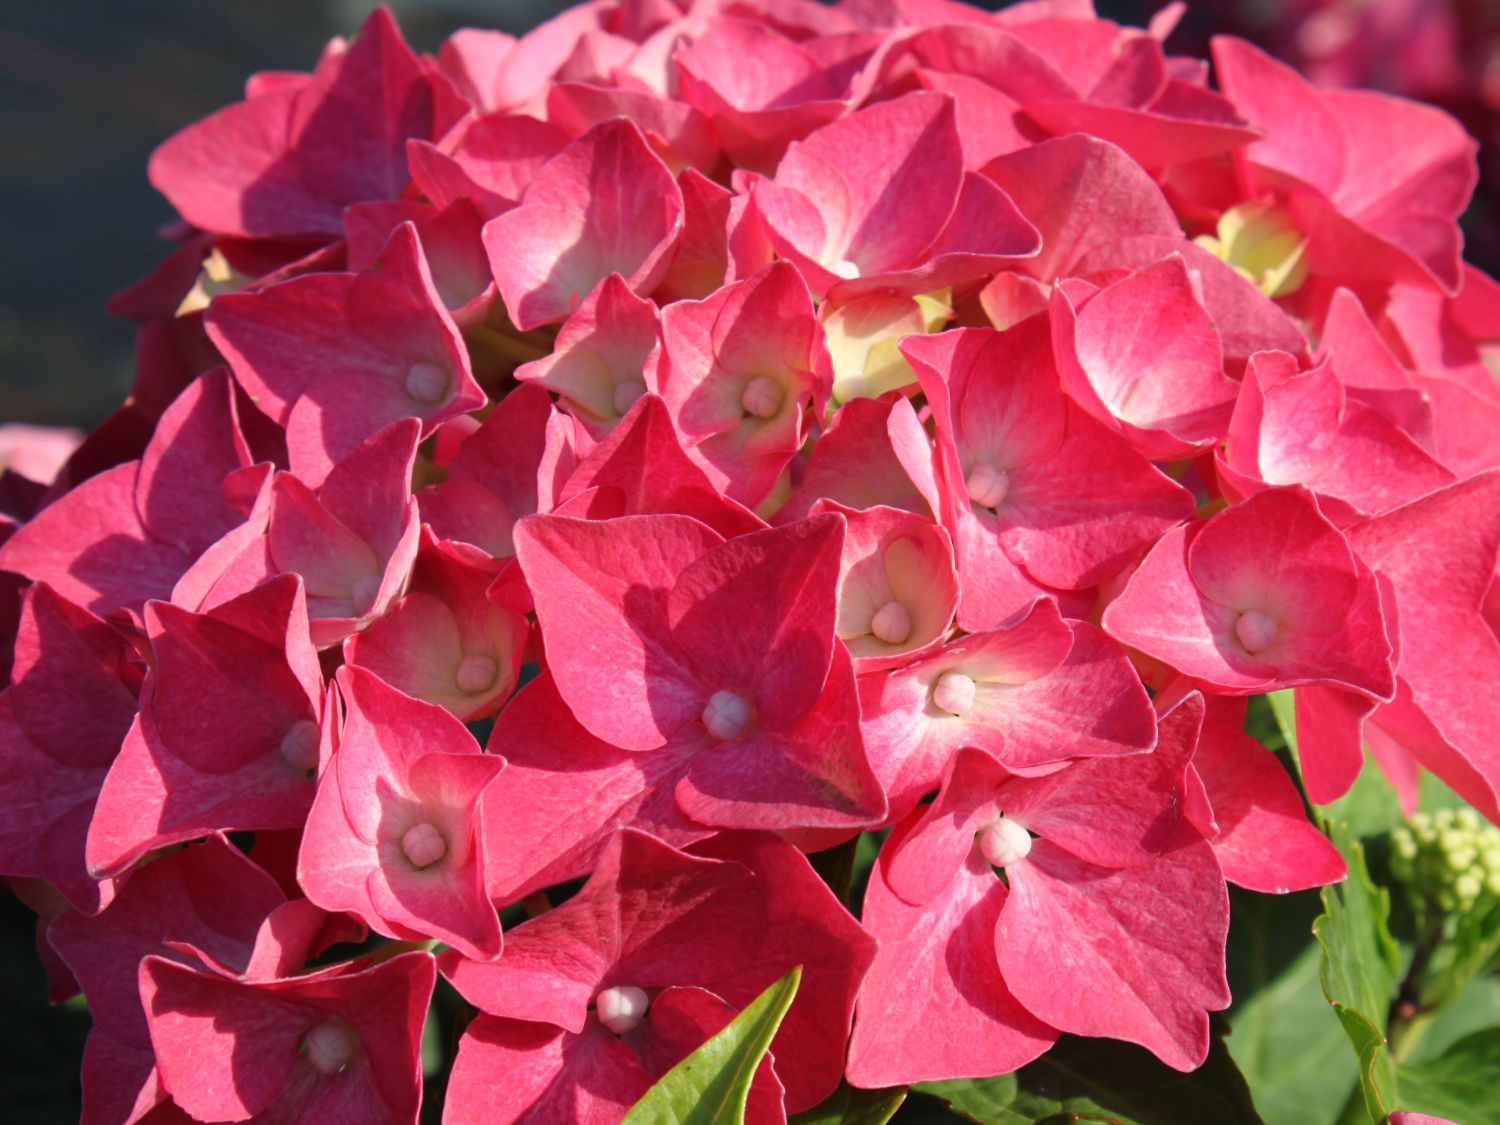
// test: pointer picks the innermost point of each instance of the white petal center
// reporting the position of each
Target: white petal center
(1004, 842)
(727, 715)
(427, 382)
(423, 845)
(329, 1047)
(987, 485)
(621, 1008)
(954, 693)
(891, 623)
(1256, 630)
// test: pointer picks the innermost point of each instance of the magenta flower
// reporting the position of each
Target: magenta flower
(760, 90)
(721, 651)
(605, 204)
(287, 160)
(1036, 493)
(337, 357)
(513, 465)
(486, 160)
(337, 1044)
(597, 362)
(130, 532)
(445, 641)
(178, 777)
(875, 453)
(451, 244)
(1110, 920)
(393, 834)
(70, 702)
(1311, 428)
(206, 897)
(352, 539)
(1143, 356)
(660, 472)
(1014, 693)
(1059, 74)
(880, 199)
(1267, 595)
(1255, 819)
(579, 1011)
(1435, 556)
(1375, 183)
(898, 589)
(1099, 212)
(739, 372)
(642, 469)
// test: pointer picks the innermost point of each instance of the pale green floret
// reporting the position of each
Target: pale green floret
(1449, 864)
(1450, 858)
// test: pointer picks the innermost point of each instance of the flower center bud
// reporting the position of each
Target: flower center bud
(762, 397)
(621, 1008)
(299, 746)
(1263, 245)
(987, 485)
(476, 673)
(362, 596)
(954, 693)
(427, 382)
(1255, 630)
(627, 394)
(727, 715)
(1004, 842)
(423, 844)
(891, 623)
(330, 1046)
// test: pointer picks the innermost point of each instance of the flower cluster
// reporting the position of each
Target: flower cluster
(1448, 863)
(1443, 51)
(618, 462)
(1450, 858)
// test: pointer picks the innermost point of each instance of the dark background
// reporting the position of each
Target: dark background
(87, 89)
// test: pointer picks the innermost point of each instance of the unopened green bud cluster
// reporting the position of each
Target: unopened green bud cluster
(1450, 857)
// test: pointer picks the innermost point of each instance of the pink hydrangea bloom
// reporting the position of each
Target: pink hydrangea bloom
(584, 475)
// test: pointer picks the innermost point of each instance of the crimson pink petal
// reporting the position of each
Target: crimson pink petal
(605, 204)
(601, 591)
(205, 1027)
(935, 1005)
(1136, 954)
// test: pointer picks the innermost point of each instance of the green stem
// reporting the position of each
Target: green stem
(396, 948)
(1410, 1033)
(1354, 1111)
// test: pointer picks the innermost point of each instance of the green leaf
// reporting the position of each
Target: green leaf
(1475, 1009)
(1283, 707)
(1370, 808)
(1360, 969)
(986, 1100)
(1463, 1084)
(1434, 794)
(1361, 961)
(1371, 805)
(710, 1086)
(1284, 1036)
(1104, 1078)
(849, 1106)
